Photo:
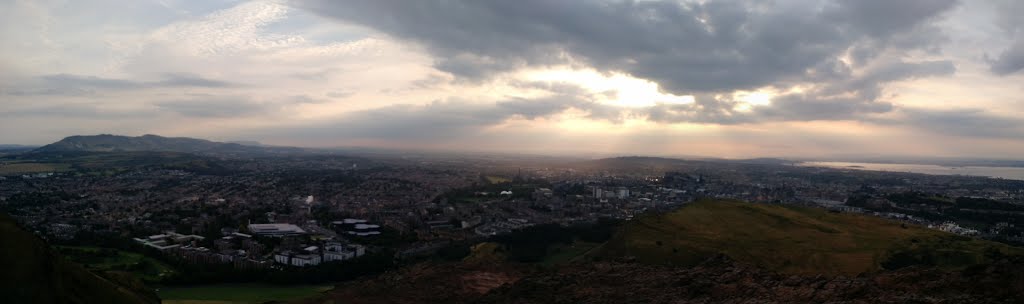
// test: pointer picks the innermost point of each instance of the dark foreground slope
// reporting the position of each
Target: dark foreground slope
(794, 240)
(726, 252)
(720, 280)
(30, 272)
(716, 280)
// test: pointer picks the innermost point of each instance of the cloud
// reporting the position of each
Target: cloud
(181, 80)
(1010, 19)
(76, 85)
(452, 119)
(76, 110)
(1010, 60)
(306, 99)
(963, 122)
(216, 107)
(853, 97)
(685, 47)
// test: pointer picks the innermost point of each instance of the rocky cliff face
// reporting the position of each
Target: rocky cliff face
(718, 280)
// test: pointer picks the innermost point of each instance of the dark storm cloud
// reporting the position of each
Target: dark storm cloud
(76, 85)
(685, 47)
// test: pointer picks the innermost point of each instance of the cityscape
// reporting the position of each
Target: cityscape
(511, 152)
(301, 211)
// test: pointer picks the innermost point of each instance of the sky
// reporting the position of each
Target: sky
(781, 78)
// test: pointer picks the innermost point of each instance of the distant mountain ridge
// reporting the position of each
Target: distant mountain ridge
(156, 143)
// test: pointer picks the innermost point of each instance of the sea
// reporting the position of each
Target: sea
(1016, 173)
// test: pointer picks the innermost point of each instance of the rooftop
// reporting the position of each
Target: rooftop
(275, 229)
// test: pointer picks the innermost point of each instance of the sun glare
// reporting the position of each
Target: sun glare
(758, 98)
(615, 89)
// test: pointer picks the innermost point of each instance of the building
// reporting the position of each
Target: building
(276, 230)
(622, 192)
(303, 260)
(283, 257)
(356, 227)
(169, 240)
(335, 251)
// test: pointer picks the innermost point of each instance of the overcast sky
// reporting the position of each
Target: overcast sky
(715, 78)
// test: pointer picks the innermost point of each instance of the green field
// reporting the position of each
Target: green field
(237, 293)
(30, 167)
(104, 163)
(104, 259)
(497, 179)
(792, 239)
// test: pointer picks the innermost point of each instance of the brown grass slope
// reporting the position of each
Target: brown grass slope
(793, 240)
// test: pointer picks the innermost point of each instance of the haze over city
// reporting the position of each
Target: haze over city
(783, 78)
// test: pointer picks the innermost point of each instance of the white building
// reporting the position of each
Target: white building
(303, 260)
(283, 257)
(334, 251)
(169, 240)
(275, 229)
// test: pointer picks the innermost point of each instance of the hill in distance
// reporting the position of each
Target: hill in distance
(34, 273)
(794, 240)
(155, 143)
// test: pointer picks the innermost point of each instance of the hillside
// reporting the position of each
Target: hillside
(794, 240)
(34, 273)
(155, 143)
(715, 280)
(719, 252)
(720, 280)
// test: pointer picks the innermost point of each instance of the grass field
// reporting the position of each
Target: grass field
(103, 259)
(790, 239)
(29, 167)
(237, 293)
(497, 179)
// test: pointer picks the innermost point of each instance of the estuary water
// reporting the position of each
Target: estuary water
(998, 172)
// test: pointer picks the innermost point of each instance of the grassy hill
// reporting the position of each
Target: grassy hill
(33, 273)
(794, 240)
(155, 143)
